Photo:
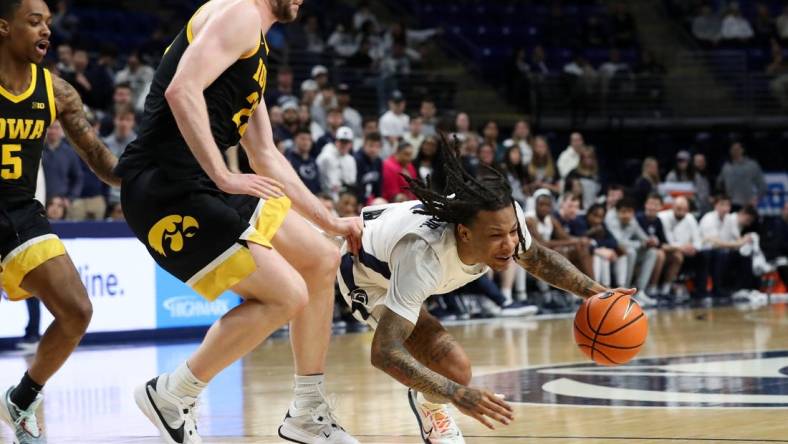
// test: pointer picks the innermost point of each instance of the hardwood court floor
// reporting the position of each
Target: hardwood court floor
(721, 388)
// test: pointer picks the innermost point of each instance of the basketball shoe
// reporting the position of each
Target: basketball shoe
(314, 424)
(175, 418)
(23, 422)
(436, 424)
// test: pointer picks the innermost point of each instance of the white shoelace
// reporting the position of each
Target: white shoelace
(189, 410)
(27, 418)
(324, 412)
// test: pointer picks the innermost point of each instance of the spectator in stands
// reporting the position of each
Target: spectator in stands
(92, 201)
(777, 71)
(332, 124)
(682, 232)
(304, 161)
(683, 172)
(669, 257)
(587, 172)
(763, 25)
(64, 22)
(542, 170)
(567, 215)
(61, 166)
(612, 66)
(325, 102)
(410, 38)
(315, 43)
(138, 75)
(426, 161)
(369, 168)
(782, 25)
(364, 15)
(544, 228)
(342, 41)
(121, 98)
(623, 26)
(521, 137)
(429, 120)
(121, 137)
(490, 135)
(486, 158)
(639, 248)
(648, 181)
(93, 85)
(328, 203)
(462, 126)
(706, 26)
(309, 90)
(370, 126)
(469, 154)
(702, 183)
(570, 157)
(65, 61)
(394, 123)
(720, 232)
(603, 244)
(361, 60)
(615, 193)
(582, 80)
(517, 174)
(290, 123)
(336, 163)
(395, 68)
(415, 135)
(320, 76)
(347, 204)
(736, 29)
(56, 208)
(350, 115)
(283, 91)
(742, 178)
(399, 164)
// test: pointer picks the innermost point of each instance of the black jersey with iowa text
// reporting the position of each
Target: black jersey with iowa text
(24, 119)
(231, 100)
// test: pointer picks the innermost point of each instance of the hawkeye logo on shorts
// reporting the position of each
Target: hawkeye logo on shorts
(170, 231)
(750, 380)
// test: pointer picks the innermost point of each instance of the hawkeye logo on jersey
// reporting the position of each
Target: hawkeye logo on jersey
(21, 129)
(751, 380)
(170, 231)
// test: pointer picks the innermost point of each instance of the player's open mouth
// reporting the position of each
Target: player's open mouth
(42, 46)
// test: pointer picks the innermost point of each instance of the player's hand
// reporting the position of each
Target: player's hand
(350, 228)
(483, 406)
(252, 185)
(626, 291)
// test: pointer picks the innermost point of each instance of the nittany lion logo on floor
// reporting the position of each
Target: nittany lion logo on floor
(169, 233)
(718, 381)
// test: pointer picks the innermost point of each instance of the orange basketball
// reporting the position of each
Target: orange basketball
(610, 328)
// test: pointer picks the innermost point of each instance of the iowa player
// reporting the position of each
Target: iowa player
(216, 230)
(32, 258)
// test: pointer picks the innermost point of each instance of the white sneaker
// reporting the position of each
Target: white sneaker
(22, 422)
(175, 418)
(436, 425)
(314, 425)
(645, 300)
(518, 309)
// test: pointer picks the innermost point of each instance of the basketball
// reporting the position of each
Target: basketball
(610, 328)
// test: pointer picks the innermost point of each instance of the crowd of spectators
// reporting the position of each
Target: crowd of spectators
(644, 234)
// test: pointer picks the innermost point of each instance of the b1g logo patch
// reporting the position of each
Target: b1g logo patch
(750, 380)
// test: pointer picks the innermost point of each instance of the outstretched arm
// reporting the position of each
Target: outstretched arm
(390, 355)
(549, 266)
(81, 135)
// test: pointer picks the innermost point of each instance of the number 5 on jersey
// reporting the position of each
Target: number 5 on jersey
(11, 163)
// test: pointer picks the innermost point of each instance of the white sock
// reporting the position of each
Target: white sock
(182, 382)
(665, 289)
(307, 390)
(651, 290)
(507, 294)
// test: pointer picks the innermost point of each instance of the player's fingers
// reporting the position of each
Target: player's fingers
(498, 401)
(497, 411)
(273, 182)
(482, 419)
(497, 416)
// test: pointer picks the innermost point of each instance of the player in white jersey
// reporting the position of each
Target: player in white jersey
(416, 249)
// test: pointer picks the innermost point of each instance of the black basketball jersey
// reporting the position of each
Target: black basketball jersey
(232, 99)
(24, 119)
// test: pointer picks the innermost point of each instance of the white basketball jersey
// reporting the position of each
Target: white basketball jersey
(406, 258)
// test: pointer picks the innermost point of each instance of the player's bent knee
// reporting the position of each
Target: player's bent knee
(76, 318)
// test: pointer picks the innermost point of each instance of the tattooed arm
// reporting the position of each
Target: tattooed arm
(549, 266)
(390, 355)
(78, 130)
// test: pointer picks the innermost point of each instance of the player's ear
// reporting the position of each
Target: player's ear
(5, 27)
(464, 232)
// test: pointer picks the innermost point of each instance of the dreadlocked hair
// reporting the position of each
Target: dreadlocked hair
(463, 195)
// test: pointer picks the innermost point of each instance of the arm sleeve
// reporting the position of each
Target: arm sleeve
(415, 275)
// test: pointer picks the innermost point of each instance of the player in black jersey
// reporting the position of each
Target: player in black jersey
(32, 258)
(216, 230)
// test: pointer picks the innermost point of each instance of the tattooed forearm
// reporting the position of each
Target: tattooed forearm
(390, 355)
(556, 270)
(82, 136)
